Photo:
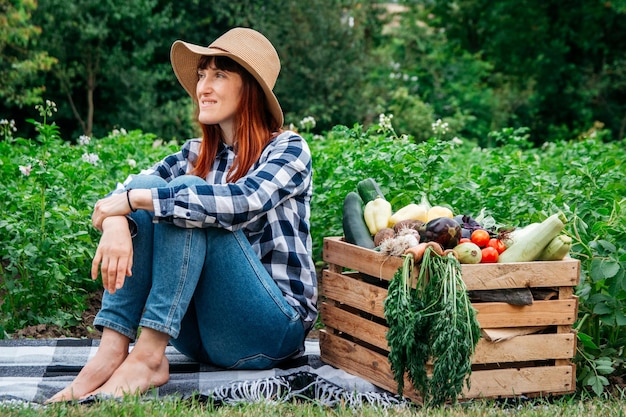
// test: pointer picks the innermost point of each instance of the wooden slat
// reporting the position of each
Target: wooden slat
(353, 257)
(526, 348)
(357, 360)
(539, 313)
(476, 277)
(353, 292)
(370, 299)
(354, 325)
(375, 368)
(519, 349)
(510, 382)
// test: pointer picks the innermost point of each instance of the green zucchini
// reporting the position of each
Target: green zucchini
(355, 230)
(529, 246)
(557, 249)
(369, 190)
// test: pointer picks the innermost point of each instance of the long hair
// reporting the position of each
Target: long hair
(254, 124)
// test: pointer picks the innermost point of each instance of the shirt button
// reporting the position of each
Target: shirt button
(188, 215)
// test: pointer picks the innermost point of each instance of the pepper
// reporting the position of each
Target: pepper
(410, 212)
(376, 214)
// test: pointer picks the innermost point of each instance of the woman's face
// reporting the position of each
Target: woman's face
(219, 93)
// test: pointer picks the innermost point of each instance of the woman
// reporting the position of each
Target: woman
(208, 250)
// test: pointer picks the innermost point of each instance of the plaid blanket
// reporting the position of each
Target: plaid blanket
(33, 370)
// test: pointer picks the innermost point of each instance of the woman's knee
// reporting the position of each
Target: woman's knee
(146, 181)
(187, 180)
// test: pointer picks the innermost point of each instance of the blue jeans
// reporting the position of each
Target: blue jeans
(207, 289)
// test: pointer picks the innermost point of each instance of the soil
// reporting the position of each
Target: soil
(84, 330)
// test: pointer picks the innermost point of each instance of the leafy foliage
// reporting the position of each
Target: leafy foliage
(21, 59)
(48, 187)
(47, 191)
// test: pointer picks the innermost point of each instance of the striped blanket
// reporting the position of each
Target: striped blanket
(33, 370)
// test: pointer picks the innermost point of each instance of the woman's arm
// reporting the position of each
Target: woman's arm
(283, 171)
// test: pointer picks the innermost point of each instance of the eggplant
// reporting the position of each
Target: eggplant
(443, 230)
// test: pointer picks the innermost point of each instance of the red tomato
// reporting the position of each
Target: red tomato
(490, 255)
(464, 239)
(497, 244)
(480, 237)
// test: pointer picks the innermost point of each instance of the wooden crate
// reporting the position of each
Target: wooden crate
(353, 290)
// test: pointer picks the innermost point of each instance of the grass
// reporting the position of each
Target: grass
(567, 406)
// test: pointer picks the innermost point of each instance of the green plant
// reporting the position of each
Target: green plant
(47, 190)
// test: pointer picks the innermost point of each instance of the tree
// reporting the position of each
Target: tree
(568, 55)
(21, 59)
(108, 74)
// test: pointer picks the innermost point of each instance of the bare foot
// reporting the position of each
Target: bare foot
(95, 373)
(145, 367)
(136, 376)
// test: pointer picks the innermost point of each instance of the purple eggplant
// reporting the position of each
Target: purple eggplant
(443, 230)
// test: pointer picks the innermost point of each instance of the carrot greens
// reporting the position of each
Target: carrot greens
(432, 326)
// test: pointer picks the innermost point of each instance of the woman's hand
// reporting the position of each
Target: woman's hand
(114, 256)
(120, 205)
(114, 205)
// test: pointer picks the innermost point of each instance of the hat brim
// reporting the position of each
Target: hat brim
(185, 57)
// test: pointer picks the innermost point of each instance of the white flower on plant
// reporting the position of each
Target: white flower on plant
(26, 169)
(455, 140)
(91, 158)
(440, 127)
(119, 132)
(84, 140)
(47, 110)
(384, 121)
(132, 163)
(7, 127)
(307, 123)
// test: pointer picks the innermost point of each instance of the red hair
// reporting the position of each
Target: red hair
(254, 124)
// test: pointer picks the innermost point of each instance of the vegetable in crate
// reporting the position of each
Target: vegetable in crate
(355, 230)
(377, 213)
(436, 212)
(442, 230)
(468, 253)
(431, 319)
(530, 244)
(557, 249)
(369, 190)
(409, 212)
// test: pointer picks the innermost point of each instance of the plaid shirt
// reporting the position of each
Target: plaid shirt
(271, 204)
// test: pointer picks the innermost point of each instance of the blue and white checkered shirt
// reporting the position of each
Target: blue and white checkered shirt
(271, 204)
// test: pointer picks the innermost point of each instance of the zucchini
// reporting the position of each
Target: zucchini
(369, 190)
(529, 245)
(355, 230)
(557, 249)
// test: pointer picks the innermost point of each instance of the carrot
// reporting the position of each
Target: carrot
(417, 251)
(436, 247)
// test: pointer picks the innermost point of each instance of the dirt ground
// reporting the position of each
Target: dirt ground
(83, 330)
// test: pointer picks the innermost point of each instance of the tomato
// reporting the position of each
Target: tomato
(464, 239)
(490, 255)
(480, 237)
(497, 244)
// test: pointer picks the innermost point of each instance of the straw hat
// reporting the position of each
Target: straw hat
(247, 47)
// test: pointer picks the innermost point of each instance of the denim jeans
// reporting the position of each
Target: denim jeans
(207, 289)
